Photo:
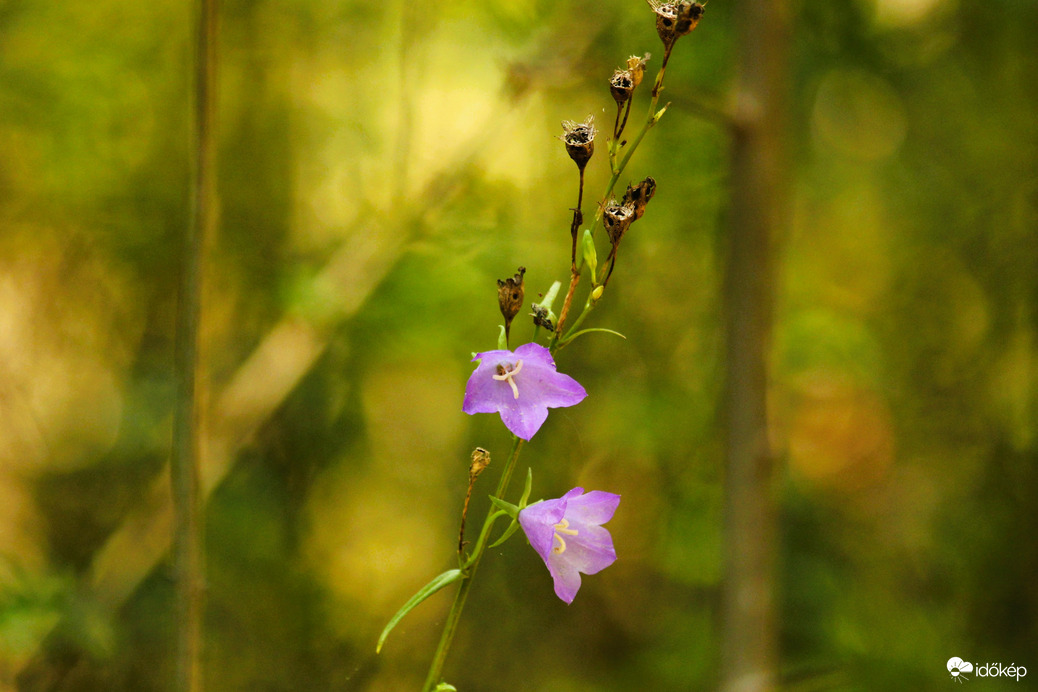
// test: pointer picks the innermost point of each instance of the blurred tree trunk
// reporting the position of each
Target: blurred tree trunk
(190, 364)
(757, 210)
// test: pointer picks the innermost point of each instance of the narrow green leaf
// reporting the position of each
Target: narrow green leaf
(445, 579)
(527, 487)
(506, 507)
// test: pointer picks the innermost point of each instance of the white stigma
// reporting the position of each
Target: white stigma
(507, 375)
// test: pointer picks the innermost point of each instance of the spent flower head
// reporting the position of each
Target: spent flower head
(617, 218)
(636, 66)
(510, 294)
(638, 196)
(579, 139)
(621, 86)
(521, 386)
(568, 535)
(675, 19)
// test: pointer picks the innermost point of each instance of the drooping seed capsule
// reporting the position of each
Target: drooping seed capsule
(579, 139)
(617, 219)
(675, 19)
(621, 86)
(510, 297)
(639, 196)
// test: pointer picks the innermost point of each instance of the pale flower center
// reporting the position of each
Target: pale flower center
(560, 528)
(504, 375)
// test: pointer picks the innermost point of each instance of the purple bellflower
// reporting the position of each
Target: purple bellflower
(568, 535)
(521, 386)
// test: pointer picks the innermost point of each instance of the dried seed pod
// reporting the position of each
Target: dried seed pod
(639, 196)
(579, 139)
(542, 317)
(621, 86)
(617, 218)
(480, 460)
(510, 297)
(675, 19)
(689, 14)
(666, 20)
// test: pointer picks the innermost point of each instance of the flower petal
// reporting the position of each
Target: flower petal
(524, 418)
(596, 507)
(591, 550)
(484, 394)
(567, 581)
(538, 523)
(538, 384)
(539, 377)
(586, 547)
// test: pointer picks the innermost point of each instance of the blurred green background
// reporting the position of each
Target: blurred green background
(380, 165)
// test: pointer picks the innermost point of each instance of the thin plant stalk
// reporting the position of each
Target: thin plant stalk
(469, 567)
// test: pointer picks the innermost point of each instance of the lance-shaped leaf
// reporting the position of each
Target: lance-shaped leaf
(445, 579)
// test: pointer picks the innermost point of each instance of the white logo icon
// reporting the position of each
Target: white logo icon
(957, 667)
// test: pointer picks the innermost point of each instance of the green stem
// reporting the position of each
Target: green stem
(470, 567)
(588, 307)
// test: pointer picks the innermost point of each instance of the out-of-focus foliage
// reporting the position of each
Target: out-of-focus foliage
(380, 165)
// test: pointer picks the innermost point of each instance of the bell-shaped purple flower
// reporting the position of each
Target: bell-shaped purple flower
(521, 386)
(568, 535)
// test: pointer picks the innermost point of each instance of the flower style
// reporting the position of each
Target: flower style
(521, 386)
(568, 535)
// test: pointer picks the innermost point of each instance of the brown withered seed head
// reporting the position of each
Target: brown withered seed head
(636, 66)
(541, 317)
(666, 20)
(639, 196)
(510, 295)
(480, 460)
(579, 139)
(621, 86)
(689, 14)
(675, 19)
(617, 219)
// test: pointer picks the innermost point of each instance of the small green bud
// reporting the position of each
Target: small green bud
(553, 292)
(597, 293)
(590, 254)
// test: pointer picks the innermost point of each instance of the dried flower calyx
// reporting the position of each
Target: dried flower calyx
(542, 317)
(617, 218)
(639, 196)
(675, 19)
(510, 296)
(579, 139)
(621, 86)
(636, 66)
